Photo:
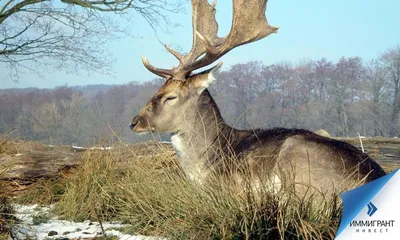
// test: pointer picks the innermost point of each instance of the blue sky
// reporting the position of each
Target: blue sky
(308, 29)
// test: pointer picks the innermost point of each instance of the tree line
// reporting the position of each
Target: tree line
(346, 98)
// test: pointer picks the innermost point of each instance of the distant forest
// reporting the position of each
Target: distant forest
(345, 98)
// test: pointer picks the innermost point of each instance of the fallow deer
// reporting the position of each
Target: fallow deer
(206, 145)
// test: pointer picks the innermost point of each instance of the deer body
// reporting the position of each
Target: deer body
(208, 147)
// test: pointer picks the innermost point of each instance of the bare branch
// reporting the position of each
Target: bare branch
(68, 35)
(16, 8)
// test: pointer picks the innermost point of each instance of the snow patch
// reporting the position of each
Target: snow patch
(92, 148)
(56, 229)
(101, 148)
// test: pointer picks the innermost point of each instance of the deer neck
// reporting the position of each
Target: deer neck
(203, 139)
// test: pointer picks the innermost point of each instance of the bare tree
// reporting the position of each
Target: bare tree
(343, 90)
(244, 86)
(391, 59)
(376, 80)
(323, 71)
(68, 34)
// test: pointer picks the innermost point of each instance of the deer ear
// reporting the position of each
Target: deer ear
(203, 80)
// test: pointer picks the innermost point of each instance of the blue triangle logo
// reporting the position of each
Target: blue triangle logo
(371, 209)
(355, 200)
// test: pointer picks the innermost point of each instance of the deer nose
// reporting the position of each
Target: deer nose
(134, 123)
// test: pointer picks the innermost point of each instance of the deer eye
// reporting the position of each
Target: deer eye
(169, 98)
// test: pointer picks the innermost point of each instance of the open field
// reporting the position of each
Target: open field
(28, 163)
(142, 186)
(386, 151)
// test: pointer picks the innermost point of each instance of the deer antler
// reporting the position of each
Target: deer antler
(249, 24)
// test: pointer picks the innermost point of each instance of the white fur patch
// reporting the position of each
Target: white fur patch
(193, 169)
(273, 185)
(177, 143)
(276, 183)
(206, 83)
(211, 78)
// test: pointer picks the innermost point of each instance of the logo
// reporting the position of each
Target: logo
(371, 209)
(359, 219)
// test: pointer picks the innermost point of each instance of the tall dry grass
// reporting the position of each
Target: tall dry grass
(153, 196)
(90, 192)
(5, 142)
(6, 210)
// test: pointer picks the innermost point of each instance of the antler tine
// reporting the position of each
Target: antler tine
(164, 73)
(175, 53)
(249, 22)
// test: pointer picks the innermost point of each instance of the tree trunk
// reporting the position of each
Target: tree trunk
(344, 121)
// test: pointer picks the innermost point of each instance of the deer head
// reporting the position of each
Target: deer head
(183, 89)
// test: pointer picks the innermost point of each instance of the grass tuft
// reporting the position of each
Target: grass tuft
(153, 196)
(5, 142)
(90, 192)
(43, 192)
(6, 210)
(40, 218)
(6, 215)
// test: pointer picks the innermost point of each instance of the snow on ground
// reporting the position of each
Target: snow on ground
(101, 148)
(62, 229)
(77, 147)
(92, 148)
